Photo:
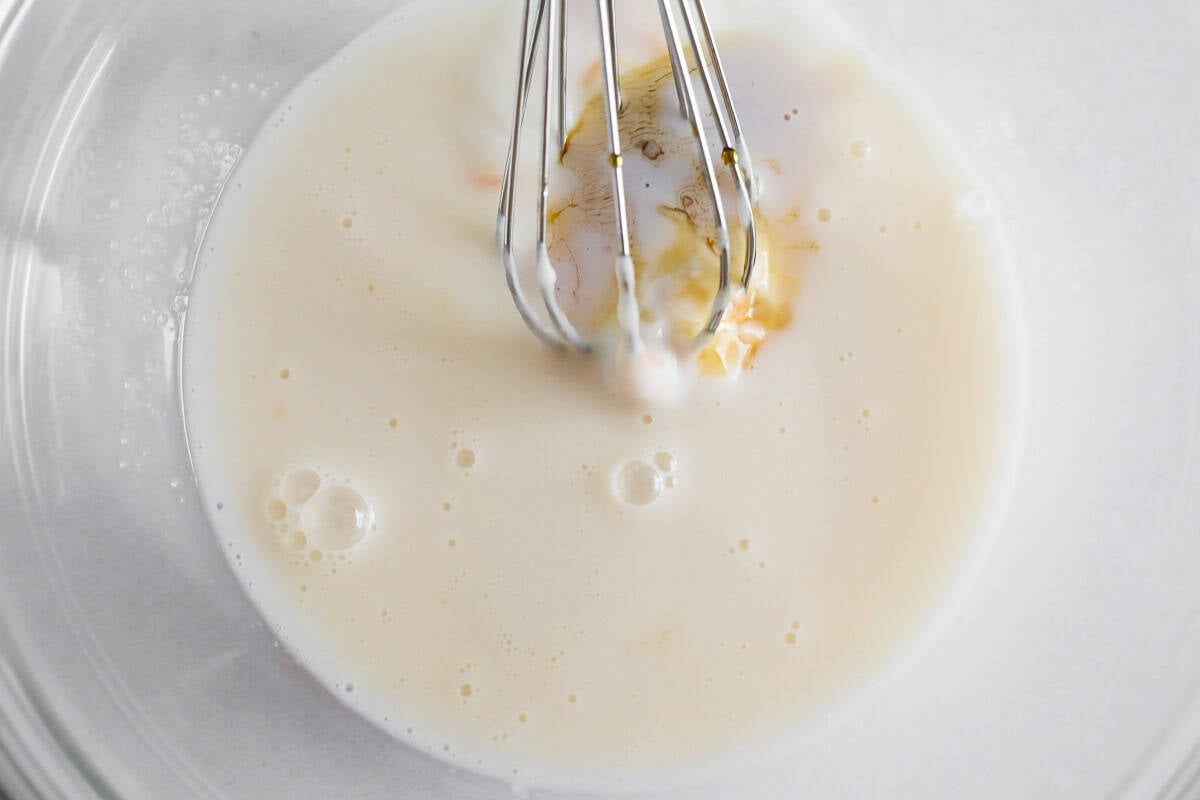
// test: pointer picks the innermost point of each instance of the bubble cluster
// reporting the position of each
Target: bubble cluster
(640, 482)
(316, 518)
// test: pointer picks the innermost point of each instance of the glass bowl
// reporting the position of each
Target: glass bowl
(133, 666)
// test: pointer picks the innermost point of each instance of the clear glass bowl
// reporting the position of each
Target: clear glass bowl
(131, 663)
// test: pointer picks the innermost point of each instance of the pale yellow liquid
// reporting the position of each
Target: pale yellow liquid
(505, 607)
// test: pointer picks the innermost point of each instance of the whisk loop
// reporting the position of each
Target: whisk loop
(685, 27)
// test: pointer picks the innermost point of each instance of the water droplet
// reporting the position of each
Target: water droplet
(665, 461)
(638, 483)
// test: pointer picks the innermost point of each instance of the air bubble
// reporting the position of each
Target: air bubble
(299, 485)
(465, 458)
(860, 149)
(336, 518)
(638, 483)
(276, 509)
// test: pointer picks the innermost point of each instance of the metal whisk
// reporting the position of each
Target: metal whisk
(544, 24)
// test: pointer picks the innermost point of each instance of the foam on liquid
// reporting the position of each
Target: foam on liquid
(514, 570)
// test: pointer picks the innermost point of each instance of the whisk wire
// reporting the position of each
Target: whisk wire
(627, 304)
(722, 298)
(530, 26)
(716, 90)
(561, 38)
(547, 275)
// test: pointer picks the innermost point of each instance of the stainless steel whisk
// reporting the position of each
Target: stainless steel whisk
(544, 24)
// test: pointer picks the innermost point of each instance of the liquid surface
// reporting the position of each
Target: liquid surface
(472, 542)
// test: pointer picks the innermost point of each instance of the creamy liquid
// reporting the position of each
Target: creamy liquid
(481, 549)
